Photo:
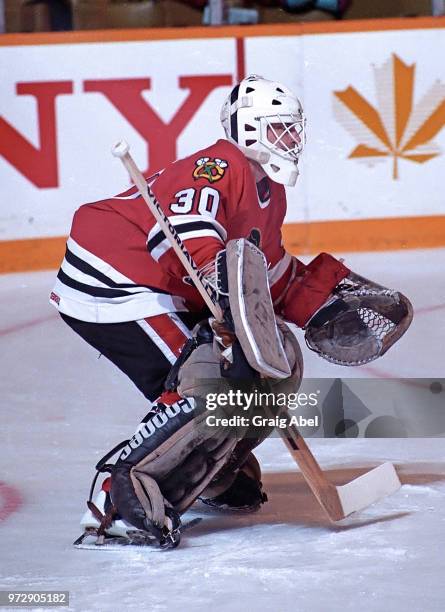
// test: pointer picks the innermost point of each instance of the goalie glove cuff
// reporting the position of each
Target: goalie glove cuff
(310, 292)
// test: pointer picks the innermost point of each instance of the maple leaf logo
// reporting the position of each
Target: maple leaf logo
(398, 129)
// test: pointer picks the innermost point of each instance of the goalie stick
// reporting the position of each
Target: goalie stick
(337, 501)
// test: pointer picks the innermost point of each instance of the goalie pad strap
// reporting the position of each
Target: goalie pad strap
(149, 494)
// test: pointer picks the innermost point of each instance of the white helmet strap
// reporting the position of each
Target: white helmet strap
(262, 157)
(243, 102)
(280, 170)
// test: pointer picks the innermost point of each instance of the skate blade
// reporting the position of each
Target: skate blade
(91, 540)
(135, 540)
(117, 547)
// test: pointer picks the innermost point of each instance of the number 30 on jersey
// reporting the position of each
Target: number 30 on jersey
(205, 201)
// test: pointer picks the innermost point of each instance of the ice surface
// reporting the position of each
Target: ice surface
(62, 408)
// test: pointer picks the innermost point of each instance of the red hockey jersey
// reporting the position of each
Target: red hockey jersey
(119, 266)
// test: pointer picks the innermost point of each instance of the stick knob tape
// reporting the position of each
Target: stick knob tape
(120, 149)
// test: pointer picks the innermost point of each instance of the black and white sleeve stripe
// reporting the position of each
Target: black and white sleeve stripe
(90, 289)
(187, 227)
(84, 277)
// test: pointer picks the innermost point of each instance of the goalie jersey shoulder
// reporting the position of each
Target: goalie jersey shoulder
(213, 193)
(201, 183)
(218, 165)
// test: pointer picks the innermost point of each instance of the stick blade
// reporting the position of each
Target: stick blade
(368, 488)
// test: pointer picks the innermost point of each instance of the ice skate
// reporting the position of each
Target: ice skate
(102, 525)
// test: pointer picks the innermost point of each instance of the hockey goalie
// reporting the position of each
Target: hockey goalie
(122, 288)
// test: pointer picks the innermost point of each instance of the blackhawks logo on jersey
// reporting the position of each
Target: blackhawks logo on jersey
(211, 169)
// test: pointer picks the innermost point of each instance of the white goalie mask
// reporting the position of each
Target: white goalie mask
(266, 121)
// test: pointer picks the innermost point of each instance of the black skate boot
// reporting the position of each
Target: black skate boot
(244, 493)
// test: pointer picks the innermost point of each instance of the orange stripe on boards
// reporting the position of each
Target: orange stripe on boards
(280, 29)
(31, 254)
(299, 238)
(365, 235)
